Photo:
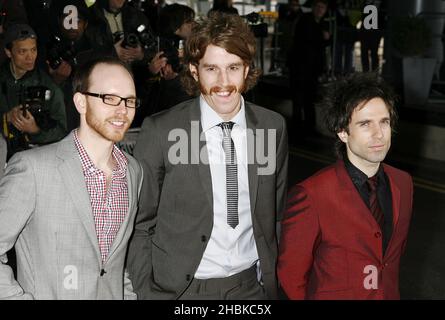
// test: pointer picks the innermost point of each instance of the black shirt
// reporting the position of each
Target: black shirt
(384, 195)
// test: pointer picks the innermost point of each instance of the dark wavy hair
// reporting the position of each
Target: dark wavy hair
(227, 31)
(172, 17)
(342, 97)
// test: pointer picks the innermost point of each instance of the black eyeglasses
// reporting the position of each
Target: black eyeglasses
(114, 100)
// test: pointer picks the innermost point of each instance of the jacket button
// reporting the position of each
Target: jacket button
(188, 277)
(203, 238)
(378, 234)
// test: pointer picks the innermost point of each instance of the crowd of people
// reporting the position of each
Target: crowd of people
(68, 39)
(304, 39)
(201, 210)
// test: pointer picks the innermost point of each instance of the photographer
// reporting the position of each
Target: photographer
(19, 79)
(69, 47)
(164, 89)
(11, 11)
(112, 21)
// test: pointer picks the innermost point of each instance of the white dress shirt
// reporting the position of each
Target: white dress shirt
(114, 21)
(229, 251)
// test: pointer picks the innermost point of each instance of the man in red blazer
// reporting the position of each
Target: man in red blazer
(346, 227)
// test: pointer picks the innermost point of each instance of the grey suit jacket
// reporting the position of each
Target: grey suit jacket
(175, 217)
(45, 207)
(3, 152)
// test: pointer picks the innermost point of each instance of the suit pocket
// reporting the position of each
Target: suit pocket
(158, 248)
(332, 269)
(161, 265)
(77, 263)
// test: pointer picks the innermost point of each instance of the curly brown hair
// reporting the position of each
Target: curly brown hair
(226, 31)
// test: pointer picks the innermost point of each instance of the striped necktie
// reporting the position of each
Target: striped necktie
(231, 174)
(374, 206)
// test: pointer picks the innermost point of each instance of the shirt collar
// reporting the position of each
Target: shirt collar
(90, 169)
(14, 76)
(210, 119)
(358, 177)
(112, 14)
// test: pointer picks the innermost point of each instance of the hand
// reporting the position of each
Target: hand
(122, 52)
(157, 63)
(62, 72)
(136, 54)
(167, 72)
(24, 123)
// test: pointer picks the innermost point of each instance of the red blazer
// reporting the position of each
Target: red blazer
(331, 246)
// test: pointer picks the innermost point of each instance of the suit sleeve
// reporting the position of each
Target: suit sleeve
(300, 236)
(282, 167)
(410, 199)
(17, 201)
(129, 293)
(148, 152)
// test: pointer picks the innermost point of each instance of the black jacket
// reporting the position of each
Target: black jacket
(99, 32)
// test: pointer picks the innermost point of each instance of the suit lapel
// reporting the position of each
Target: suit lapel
(355, 207)
(132, 185)
(351, 192)
(203, 168)
(395, 192)
(252, 124)
(72, 176)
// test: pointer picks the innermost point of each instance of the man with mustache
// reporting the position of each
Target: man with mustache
(69, 207)
(346, 227)
(207, 215)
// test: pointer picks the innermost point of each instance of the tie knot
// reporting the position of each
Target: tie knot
(226, 127)
(372, 183)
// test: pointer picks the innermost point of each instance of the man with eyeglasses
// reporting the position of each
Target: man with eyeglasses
(69, 207)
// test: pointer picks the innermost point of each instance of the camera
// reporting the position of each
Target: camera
(141, 36)
(59, 51)
(258, 27)
(33, 99)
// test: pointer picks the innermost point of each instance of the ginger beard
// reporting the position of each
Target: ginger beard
(111, 128)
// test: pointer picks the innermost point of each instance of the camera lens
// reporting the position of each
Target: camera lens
(131, 40)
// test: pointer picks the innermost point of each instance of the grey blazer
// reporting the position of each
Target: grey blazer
(45, 211)
(3, 153)
(175, 217)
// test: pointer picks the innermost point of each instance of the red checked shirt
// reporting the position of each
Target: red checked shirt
(109, 206)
